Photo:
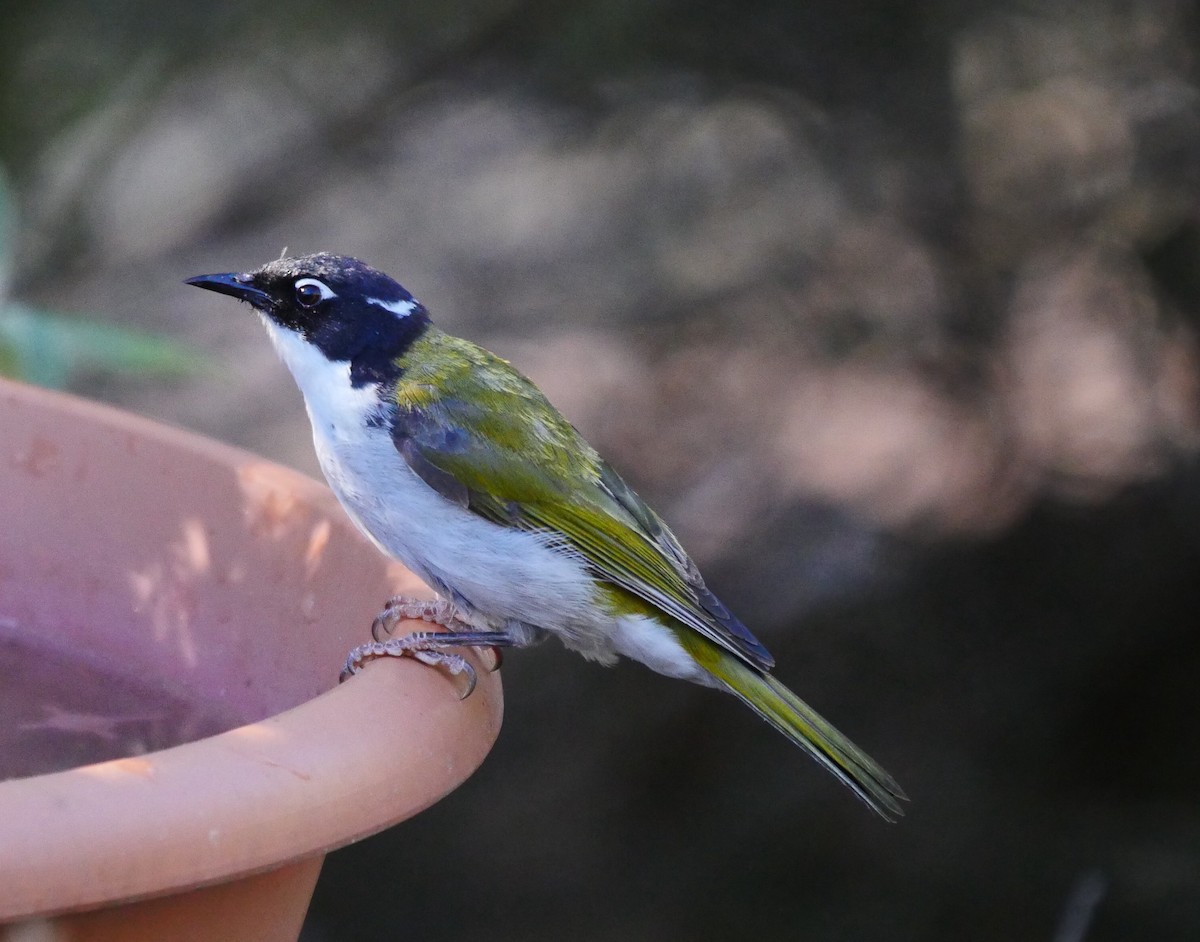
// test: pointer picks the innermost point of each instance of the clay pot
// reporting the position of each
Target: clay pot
(208, 576)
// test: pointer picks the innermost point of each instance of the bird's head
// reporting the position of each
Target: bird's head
(343, 307)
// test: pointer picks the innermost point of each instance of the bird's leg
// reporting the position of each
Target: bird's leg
(437, 611)
(427, 647)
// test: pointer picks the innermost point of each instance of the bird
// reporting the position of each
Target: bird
(453, 462)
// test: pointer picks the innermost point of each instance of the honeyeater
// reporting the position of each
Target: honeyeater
(456, 464)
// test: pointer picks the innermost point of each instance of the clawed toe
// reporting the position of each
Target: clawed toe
(457, 665)
(417, 646)
(429, 647)
(400, 607)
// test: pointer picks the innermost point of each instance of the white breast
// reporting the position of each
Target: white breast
(503, 573)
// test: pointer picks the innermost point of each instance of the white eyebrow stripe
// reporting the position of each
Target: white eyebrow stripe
(399, 308)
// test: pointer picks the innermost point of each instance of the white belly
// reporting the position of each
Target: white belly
(500, 573)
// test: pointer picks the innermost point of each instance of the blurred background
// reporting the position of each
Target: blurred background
(891, 310)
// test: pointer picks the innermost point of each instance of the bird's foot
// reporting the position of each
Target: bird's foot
(396, 609)
(419, 646)
(436, 611)
(428, 647)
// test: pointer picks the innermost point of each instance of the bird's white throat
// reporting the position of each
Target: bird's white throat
(335, 407)
(505, 573)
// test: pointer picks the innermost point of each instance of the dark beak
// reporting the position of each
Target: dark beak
(236, 286)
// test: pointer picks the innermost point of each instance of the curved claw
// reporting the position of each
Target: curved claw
(456, 664)
(380, 627)
(471, 677)
(357, 658)
(408, 646)
(399, 607)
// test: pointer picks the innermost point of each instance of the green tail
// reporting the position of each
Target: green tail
(800, 723)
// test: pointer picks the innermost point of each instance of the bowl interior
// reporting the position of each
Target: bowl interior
(190, 568)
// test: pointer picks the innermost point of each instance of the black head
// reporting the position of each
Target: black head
(342, 306)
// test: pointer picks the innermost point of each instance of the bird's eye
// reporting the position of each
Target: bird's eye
(309, 292)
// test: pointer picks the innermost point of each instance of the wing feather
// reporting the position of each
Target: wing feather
(510, 457)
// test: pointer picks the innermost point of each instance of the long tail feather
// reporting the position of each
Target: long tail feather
(800, 723)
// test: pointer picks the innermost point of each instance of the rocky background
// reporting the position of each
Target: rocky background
(890, 309)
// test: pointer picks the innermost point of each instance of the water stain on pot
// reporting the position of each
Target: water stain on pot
(63, 710)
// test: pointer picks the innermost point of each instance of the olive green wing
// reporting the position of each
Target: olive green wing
(506, 454)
